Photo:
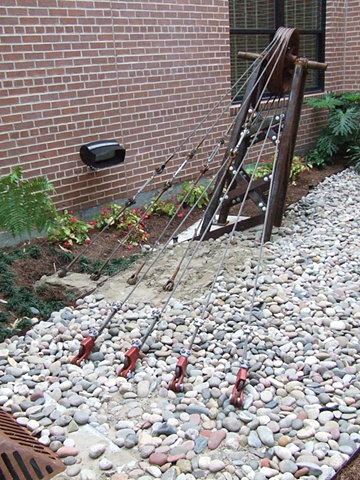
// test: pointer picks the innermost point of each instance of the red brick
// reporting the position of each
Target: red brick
(62, 87)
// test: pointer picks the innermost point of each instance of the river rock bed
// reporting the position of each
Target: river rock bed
(300, 417)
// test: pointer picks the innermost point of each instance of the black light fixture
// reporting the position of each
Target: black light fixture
(102, 154)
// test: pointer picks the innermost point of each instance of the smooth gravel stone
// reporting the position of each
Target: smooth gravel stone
(288, 466)
(76, 400)
(131, 440)
(257, 476)
(297, 424)
(306, 432)
(95, 451)
(269, 472)
(266, 396)
(63, 452)
(7, 379)
(81, 417)
(197, 409)
(216, 466)
(245, 416)
(14, 372)
(313, 468)
(347, 449)
(254, 440)
(158, 459)
(323, 437)
(146, 451)
(204, 462)
(105, 464)
(325, 417)
(282, 453)
(231, 424)
(73, 470)
(63, 420)
(163, 429)
(66, 385)
(266, 435)
(216, 437)
(143, 389)
(200, 444)
(183, 464)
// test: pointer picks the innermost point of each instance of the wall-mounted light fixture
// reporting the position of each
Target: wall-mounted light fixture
(102, 154)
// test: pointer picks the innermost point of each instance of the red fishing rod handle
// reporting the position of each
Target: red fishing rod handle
(176, 384)
(85, 349)
(131, 357)
(237, 396)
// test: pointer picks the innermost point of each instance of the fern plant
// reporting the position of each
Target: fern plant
(341, 135)
(25, 205)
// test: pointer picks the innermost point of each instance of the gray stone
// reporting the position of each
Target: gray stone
(266, 436)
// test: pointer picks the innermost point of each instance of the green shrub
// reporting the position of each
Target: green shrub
(69, 229)
(192, 194)
(128, 223)
(265, 167)
(162, 208)
(341, 134)
(25, 205)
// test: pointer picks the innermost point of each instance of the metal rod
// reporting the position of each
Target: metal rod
(311, 64)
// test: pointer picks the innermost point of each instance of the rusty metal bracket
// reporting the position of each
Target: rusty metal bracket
(237, 396)
(89, 342)
(85, 348)
(131, 357)
(176, 384)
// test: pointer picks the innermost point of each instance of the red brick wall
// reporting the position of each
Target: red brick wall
(336, 34)
(351, 51)
(342, 54)
(144, 73)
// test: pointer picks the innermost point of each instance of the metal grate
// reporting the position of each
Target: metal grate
(22, 457)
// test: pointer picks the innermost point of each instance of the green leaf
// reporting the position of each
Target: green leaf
(327, 146)
(329, 100)
(25, 204)
(344, 123)
(354, 157)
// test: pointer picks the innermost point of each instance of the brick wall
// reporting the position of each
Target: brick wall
(335, 44)
(342, 54)
(351, 52)
(143, 73)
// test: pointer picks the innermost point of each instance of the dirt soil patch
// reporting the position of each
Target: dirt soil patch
(54, 257)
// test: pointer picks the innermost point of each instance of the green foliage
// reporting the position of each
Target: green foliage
(20, 300)
(5, 332)
(328, 100)
(108, 215)
(25, 205)
(265, 167)
(341, 135)
(119, 264)
(162, 208)
(128, 223)
(34, 252)
(23, 323)
(354, 153)
(344, 123)
(131, 227)
(69, 229)
(114, 266)
(4, 317)
(192, 194)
